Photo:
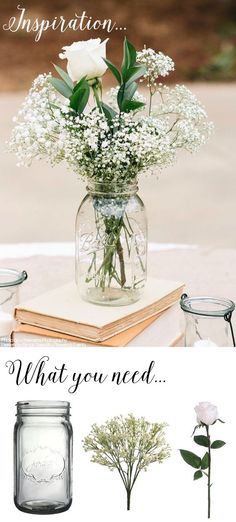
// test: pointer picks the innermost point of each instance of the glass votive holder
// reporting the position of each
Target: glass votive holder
(208, 321)
(10, 281)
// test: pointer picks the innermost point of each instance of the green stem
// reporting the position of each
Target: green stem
(108, 254)
(112, 266)
(128, 491)
(136, 246)
(151, 93)
(122, 263)
(209, 475)
(150, 103)
(96, 88)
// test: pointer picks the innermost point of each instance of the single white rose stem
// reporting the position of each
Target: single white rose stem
(209, 474)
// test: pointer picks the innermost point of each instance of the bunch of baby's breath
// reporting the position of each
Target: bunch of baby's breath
(116, 141)
(128, 445)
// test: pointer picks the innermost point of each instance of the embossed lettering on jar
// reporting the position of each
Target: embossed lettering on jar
(43, 457)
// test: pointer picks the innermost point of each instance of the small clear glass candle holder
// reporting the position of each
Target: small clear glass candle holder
(208, 321)
(10, 282)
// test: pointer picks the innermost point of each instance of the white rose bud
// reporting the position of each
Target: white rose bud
(85, 59)
(207, 413)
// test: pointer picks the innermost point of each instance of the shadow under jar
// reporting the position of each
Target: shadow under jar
(208, 321)
(43, 457)
(111, 244)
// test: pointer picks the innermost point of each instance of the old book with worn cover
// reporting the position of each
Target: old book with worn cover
(163, 329)
(62, 310)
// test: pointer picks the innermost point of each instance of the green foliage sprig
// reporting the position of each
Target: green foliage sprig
(127, 78)
(77, 94)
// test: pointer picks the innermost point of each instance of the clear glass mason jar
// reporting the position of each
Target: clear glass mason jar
(111, 244)
(208, 321)
(10, 282)
(43, 457)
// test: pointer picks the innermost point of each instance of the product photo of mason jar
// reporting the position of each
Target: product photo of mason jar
(43, 457)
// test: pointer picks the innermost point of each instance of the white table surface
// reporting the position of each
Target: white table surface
(205, 271)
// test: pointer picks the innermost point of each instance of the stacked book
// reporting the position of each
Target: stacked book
(61, 313)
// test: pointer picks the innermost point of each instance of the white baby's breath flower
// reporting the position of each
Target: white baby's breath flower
(157, 64)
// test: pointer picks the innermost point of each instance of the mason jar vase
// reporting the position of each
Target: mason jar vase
(111, 244)
(43, 457)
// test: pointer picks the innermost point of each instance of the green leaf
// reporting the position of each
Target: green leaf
(125, 61)
(132, 53)
(217, 444)
(201, 440)
(205, 461)
(64, 76)
(61, 87)
(125, 93)
(197, 475)
(130, 90)
(83, 100)
(131, 105)
(113, 69)
(108, 111)
(79, 99)
(80, 83)
(129, 56)
(190, 458)
(134, 73)
(120, 95)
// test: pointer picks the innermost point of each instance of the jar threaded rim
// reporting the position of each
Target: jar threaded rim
(112, 188)
(43, 408)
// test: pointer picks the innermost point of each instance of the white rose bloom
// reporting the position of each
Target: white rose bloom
(207, 413)
(85, 59)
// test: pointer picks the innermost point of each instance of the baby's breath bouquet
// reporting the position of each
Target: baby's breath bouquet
(109, 144)
(128, 445)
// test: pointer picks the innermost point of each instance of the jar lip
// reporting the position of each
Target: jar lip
(189, 305)
(111, 187)
(11, 277)
(44, 408)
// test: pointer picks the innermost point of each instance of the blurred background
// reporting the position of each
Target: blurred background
(200, 36)
(192, 202)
